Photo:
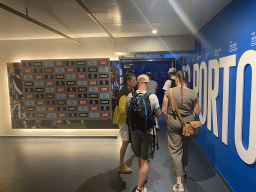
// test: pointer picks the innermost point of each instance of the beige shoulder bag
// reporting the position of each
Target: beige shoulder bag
(191, 128)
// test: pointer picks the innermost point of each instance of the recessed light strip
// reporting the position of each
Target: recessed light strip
(90, 13)
(35, 21)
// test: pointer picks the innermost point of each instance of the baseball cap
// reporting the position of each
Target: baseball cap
(144, 77)
(172, 70)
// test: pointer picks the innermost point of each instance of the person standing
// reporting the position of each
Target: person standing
(170, 83)
(187, 102)
(17, 97)
(142, 142)
(114, 89)
(120, 118)
(152, 88)
(132, 72)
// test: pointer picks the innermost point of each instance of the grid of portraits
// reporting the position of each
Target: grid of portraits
(67, 89)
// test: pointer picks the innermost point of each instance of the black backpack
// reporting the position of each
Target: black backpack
(172, 83)
(140, 117)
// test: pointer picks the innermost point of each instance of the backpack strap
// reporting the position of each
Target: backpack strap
(155, 137)
(134, 94)
(148, 93)
(155, 140)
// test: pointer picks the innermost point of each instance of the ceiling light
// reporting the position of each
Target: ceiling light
(154, 31)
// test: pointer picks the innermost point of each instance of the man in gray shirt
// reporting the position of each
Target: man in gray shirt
(152, 88)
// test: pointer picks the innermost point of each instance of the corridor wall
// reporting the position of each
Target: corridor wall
(223, 73)
(17, 50)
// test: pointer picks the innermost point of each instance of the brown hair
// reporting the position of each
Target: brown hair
(128, 77)
(183, 78)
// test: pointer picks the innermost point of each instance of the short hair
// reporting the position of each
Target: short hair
(130, 71)
(128, 77)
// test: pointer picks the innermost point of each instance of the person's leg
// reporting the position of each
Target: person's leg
(139, 162)
(143, 174)
(146, 152)
(178, 180)
(122, 152)
(186, 142)
(125, 137)
(175, 144)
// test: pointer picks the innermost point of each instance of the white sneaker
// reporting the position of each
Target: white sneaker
(178, 188)
(143, 190)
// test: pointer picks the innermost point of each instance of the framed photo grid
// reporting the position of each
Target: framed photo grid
(68, 89)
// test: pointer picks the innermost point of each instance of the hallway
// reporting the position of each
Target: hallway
(90, 165)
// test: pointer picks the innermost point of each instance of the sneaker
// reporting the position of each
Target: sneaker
(124, 169)
(143, 190)
(178, 188)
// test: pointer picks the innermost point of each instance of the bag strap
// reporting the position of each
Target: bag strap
(175, 107)
(134, 94)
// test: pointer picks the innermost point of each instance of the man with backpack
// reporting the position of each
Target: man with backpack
(142, 107)
(170, 83)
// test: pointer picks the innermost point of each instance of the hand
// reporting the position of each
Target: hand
(113, 97)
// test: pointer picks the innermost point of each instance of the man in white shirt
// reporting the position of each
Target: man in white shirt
(170, 83)
(152, 88)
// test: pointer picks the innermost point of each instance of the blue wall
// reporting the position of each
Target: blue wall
(231, 32)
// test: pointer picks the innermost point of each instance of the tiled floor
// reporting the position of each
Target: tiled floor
(90, 165)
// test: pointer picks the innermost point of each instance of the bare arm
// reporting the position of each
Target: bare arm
(157, 112)
(113, 97)
(165, 108)
(197, 109)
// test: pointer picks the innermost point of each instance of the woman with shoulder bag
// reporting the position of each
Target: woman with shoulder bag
(187, 102)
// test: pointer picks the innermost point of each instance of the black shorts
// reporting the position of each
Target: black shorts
(143, 145)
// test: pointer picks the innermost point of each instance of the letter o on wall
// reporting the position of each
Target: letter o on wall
(249, 155)
(202, 92)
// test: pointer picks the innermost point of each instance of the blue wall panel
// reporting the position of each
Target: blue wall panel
(232, 31)
(157, 66)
